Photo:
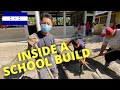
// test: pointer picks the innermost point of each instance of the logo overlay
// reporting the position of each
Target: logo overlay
(14, 18)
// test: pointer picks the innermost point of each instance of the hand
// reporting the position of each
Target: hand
(100, 54)
(30, 42)
(83, 61)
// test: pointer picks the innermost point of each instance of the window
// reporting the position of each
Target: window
(54, 21)
(113, 18)
(31, 21)
(68, 23)
(60, 20)
(96, 20)
(103, 19)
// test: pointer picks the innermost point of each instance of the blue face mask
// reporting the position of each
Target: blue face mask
(45, 27)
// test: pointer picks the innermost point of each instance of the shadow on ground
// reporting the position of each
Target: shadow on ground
(14, 76)
(74, 66)
(104, 70)
(61, 72)
(96, 50)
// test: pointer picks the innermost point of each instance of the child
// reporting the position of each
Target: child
(78, 45)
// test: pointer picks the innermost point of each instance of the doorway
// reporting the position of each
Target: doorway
(90, 19)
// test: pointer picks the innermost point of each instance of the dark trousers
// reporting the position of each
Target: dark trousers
(112, 56)
(87, 32)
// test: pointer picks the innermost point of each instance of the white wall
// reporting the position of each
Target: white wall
(16, 34)
(57, 31)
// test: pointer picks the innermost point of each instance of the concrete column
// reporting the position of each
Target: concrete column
(93, 21)
(99, 21)
(85, 20)
(64, 18)
(94, 16)
(37, 17)
(85, 17)
(26, 30)
(108, 18)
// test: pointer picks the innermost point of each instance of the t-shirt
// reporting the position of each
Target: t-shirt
(46, 41)
(82, 46)
(114, 42)
(87, 26)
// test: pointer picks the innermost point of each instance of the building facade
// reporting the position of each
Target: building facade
(65, 24)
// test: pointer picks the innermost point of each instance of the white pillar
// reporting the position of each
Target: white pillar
(85, 17)
(93, 21)
(64, 18)
(37, 17)
(26, 30)
(108, 18)
(94, 16)
(85, 20)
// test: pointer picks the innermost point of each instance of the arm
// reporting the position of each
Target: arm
(58, 51)
(68, 42)
(32, 39)
(102, 49)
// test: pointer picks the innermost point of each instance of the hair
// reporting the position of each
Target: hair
(118, 26)
(46, 15)
(75, 41)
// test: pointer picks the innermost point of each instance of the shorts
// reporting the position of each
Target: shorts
(112, 56)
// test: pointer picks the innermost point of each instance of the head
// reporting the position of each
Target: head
(76, 43)
(46, 23)
(109, 32)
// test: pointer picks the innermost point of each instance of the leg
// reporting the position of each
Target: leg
(111, 57)
(54, 69)
(43, 73)
(81, 69)
(55, 73)
(86, 32)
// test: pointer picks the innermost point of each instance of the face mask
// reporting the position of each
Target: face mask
(45, 27)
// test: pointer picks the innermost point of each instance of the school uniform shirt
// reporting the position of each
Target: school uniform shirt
(113, 42)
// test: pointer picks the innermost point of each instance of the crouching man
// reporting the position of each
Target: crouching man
(111, 38)
(78, 45)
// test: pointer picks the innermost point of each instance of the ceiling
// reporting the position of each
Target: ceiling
(60, 13)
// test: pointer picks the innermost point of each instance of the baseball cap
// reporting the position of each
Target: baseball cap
(108, 31)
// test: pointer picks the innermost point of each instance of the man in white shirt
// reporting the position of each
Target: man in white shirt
(111, 38)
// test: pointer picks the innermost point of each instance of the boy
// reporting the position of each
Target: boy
(78, 45)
